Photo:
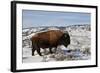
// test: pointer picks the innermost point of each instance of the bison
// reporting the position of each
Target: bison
(49, 39)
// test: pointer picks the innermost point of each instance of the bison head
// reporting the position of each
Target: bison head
(65, 39)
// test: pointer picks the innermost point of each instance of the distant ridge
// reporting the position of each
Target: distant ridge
(59, 26)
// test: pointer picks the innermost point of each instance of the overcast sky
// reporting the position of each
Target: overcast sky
(33, 18)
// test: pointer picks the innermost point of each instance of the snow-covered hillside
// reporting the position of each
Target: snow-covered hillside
(80, 46)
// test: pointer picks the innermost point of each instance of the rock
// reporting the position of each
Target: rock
(44, 58)
(59, 57)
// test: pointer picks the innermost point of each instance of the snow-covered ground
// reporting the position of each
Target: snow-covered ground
(79, 49)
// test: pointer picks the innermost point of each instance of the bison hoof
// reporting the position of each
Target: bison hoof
(32, 54)
(40, 54)
(51, 52)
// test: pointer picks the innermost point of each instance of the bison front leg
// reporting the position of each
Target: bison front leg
(50, 50)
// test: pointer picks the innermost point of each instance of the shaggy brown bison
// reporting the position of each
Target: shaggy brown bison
(49, 39)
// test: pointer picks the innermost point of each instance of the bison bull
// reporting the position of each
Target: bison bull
(49, 39)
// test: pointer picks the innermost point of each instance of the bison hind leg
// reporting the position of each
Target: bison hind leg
(38, 51)
(33, 50)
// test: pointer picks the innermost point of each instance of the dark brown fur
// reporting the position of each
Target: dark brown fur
(48, 39)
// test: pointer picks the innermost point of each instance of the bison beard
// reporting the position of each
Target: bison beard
(49, 39)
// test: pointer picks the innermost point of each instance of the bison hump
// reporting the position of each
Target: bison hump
(51, 36)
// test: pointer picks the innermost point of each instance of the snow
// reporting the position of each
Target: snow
(79, 48)
(31, 59)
